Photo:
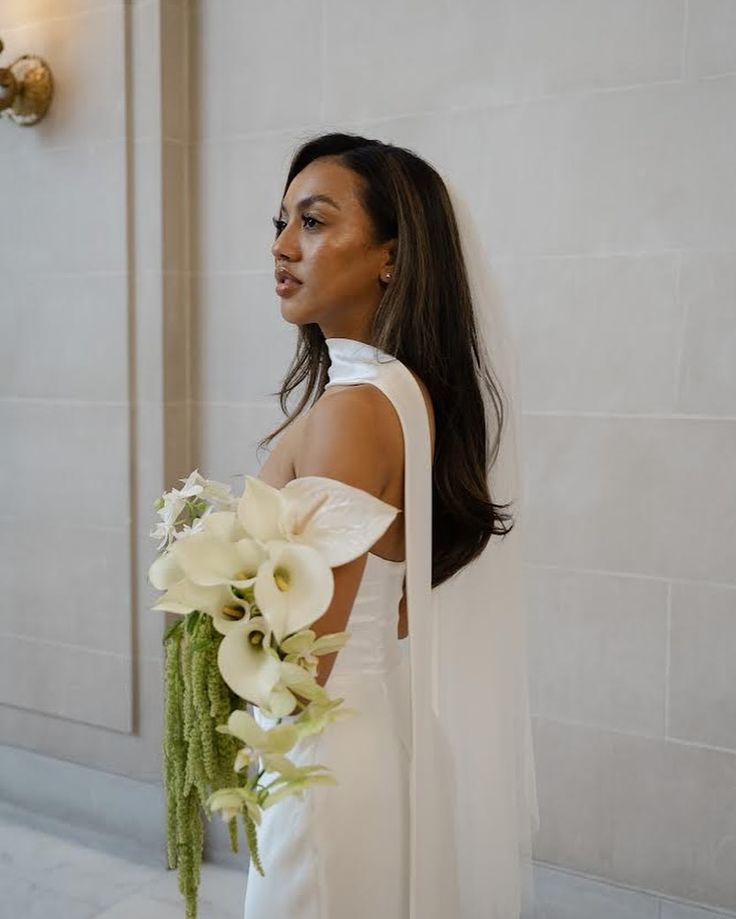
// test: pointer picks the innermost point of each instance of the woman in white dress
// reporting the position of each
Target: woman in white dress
(403, 405)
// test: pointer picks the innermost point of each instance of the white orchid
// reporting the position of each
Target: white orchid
(171, 505)
(216, 493)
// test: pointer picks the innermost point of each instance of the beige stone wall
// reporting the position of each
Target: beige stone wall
(141, 336)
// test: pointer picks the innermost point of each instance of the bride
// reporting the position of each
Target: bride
(377, 264)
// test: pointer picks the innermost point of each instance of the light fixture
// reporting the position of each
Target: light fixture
(26, 88)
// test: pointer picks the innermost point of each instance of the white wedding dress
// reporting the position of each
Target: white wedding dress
(343, 851)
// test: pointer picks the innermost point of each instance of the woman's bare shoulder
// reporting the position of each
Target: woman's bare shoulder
(349, 429)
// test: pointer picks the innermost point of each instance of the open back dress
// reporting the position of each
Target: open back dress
(343, 851)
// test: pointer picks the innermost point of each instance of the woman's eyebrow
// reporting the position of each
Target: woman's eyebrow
(311, 199)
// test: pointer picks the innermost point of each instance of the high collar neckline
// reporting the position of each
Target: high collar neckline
(352, 360)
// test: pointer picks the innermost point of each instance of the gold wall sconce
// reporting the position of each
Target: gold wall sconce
(26, 88)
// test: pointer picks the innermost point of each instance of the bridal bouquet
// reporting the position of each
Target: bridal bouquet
(248, 575)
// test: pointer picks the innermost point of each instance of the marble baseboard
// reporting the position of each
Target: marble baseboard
(561, 894)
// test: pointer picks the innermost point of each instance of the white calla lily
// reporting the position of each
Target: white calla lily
(208, 559)
(293, 587)
(224, 524)
(165, 571)
(247, 664)
(184, 596)
(231, 614)
(261, 509)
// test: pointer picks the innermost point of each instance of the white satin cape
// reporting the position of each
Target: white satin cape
(472, 787)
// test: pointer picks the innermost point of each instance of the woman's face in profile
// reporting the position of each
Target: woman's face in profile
(324, 239)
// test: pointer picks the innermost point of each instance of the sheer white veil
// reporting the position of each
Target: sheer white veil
(480, 674)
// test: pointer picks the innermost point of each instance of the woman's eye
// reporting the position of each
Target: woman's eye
(280, 224)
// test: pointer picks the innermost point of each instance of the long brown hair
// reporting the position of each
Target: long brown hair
(425, 319)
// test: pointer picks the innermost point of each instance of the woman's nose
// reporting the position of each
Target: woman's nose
(284, 244)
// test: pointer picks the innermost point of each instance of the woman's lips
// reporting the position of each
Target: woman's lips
(286, 283)
(286, 286)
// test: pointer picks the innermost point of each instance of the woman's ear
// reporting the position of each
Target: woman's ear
(389, 261)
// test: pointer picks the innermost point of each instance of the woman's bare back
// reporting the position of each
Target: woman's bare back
(282, 465)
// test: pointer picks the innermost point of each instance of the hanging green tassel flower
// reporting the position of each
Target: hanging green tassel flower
(197, 759)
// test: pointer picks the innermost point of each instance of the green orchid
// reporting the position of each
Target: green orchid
(301, 777)
(299, 681)
(303, 648)
(317, 715)
(278, 740)
(231, 802)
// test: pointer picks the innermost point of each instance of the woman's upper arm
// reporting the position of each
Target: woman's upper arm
(343, 439)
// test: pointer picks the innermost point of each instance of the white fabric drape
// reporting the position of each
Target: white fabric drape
(473, 786)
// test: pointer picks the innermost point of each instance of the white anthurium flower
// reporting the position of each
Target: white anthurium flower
(248, 664)
(209, 559)
(339, 520)
(184, 596)
(293, 587)
(165, 571)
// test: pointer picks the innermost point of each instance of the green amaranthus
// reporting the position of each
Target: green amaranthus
(197, 759)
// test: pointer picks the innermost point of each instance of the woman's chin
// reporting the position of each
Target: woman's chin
(295, 314)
